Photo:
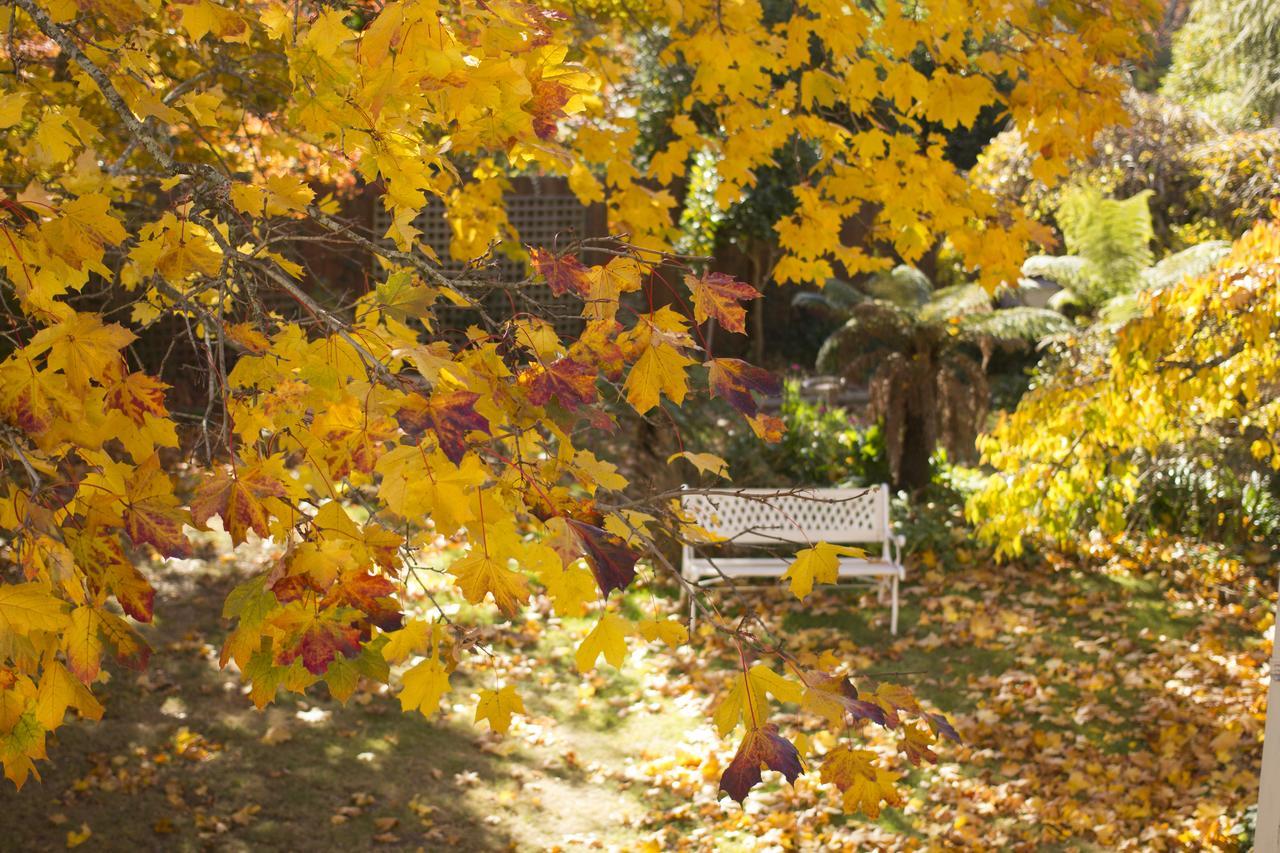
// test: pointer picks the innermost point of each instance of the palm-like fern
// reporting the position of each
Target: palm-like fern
(915, 349)
(1111, 237)
(1110, 260)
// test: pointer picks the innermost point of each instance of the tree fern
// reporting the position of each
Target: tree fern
(1196, 260)
(1113, 237)
(961, 300)
(1020, 324)
(1063, 270)
(914, 349)
(904, 286)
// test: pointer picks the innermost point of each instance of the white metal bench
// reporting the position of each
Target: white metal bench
(805, 517)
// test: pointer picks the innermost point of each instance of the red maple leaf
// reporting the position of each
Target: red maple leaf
(716, 295)
(571, 382)
(236, 496)
(320, 644)
(370, 594)
(761, 747)
(612, 562)
(562, 272)
(547, 106)
(450, 415)
(942, 726)
(293, 587)
(733, 380)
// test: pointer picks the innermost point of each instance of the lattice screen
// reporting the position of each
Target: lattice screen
(836, 515)
(545, 213)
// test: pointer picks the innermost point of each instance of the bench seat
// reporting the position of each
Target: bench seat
(799, 518)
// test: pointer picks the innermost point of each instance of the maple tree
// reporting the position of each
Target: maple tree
(170, 161)
(1199, 361)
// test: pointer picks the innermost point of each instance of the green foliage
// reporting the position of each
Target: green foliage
(1193, 260)
(1111, 236)
(1111, 263)
(1206, 185)
(1216, 494)
(822, 446)
(1226, 61)
(923, 355)
(933, 520)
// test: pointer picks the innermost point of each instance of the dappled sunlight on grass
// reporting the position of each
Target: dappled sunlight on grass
(1094, 706)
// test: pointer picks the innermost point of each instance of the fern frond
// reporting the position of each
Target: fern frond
(1119, 310)
(1063, 270)
(1020, 324)
(1112, 236)
(835, 300)
(1196, 260)
(874, 325)
(1066, 300)
(904, 286)
(958, 301)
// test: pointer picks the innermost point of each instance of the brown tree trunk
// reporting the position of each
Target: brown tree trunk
(914, 469)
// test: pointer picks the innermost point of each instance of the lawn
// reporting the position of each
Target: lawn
(1100, 706)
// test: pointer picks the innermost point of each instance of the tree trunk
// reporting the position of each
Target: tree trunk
(914, 470)
(1267, 828)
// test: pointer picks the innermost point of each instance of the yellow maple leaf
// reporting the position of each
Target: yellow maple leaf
(424, 686)
(708, 463)
(669, 631)
(659, 370)
(11, 106)
(608, 638)
(479, 575)
(820, 564)
(863, 784)
(570, 587)
(82, 643)
(497, 706)
(606, 284)
(409, 640)
(76, 837)
(747, 697)
(81, 346)
(59, 690)
(27, 607)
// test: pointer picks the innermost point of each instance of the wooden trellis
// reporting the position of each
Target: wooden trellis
(546, 214)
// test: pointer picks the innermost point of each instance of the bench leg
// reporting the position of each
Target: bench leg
(882, 587)
(693, 611)
(893, 619)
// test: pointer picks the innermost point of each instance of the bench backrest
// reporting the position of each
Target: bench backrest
(763, 516)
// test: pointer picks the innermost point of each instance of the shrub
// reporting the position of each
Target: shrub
(823, 445)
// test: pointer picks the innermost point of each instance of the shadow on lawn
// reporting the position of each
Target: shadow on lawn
(182, 761)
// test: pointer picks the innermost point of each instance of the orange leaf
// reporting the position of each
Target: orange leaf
(236, 496)
(716, 295)
(563, 273)
(571, 382)
(138, 395)
(451, 415)
(734, 381)
(371, 594)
